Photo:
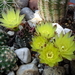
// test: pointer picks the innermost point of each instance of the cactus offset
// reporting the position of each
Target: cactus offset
(52, 10)
(7, 59)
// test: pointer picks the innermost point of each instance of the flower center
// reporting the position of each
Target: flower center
(62, 47)
(49, 54)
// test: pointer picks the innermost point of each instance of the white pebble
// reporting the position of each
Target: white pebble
(24, 54)
(11, 33)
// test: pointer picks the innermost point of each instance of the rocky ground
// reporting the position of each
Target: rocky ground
(28, 61)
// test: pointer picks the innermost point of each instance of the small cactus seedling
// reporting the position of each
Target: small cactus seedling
(7, 59)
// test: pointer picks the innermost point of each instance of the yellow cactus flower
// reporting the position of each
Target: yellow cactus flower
(65, 45)
(46, 30)
(11, 19)
(50, 55)
(38, 42)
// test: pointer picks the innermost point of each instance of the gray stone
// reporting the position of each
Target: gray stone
(21, 3)
(54, 71)
(24, 54)
(11, 73)
(29, 69)
(29, 14)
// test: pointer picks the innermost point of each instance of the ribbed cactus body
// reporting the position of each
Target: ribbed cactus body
(52, 10)
(7, 59)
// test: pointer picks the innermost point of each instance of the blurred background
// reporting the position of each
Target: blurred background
(72, 1)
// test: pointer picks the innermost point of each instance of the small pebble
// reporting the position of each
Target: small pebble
(10, 33)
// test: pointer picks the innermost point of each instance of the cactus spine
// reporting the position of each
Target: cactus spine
(52, 10)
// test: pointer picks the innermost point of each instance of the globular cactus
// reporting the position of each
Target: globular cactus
(4, 37)
(52, 10)
(7, 59)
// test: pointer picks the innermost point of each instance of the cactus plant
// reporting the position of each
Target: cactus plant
(38, 43)
(7, 59)
(46, 30)
(50, 55)
(52, 10)
(53, 49)
(4, 4)
(3, 38)
(11, 19)
(66, 45)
